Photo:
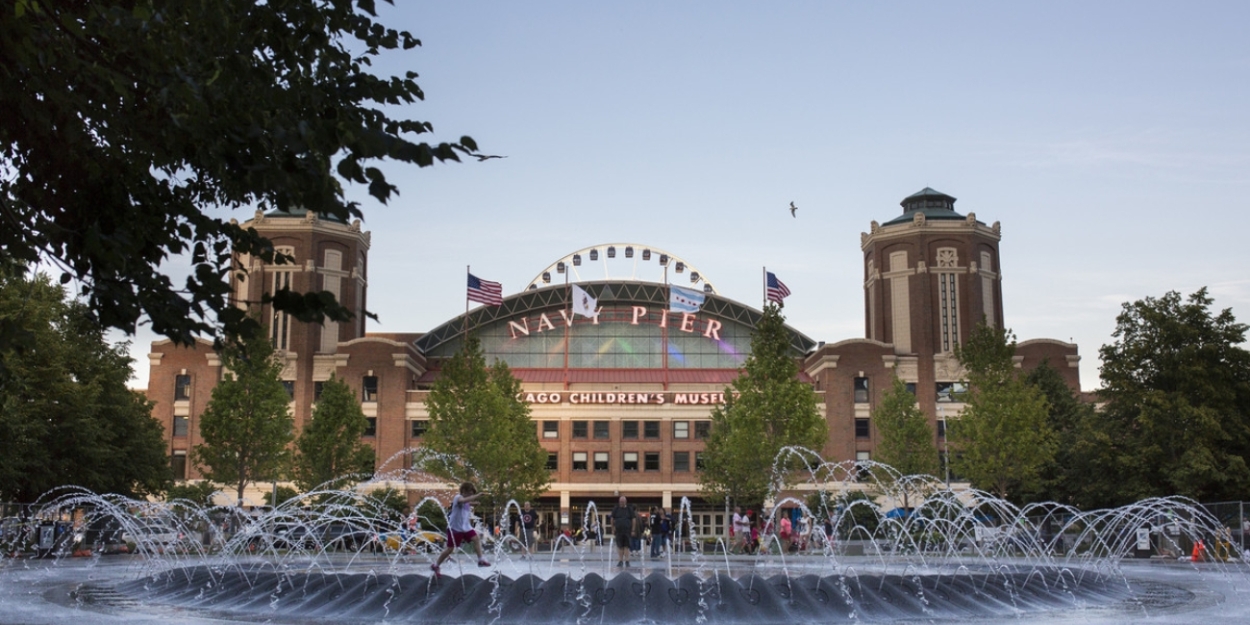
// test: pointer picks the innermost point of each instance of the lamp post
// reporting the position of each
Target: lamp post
(946, 448)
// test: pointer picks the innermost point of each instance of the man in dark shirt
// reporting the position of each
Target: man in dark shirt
(623, 519)
(528, 521)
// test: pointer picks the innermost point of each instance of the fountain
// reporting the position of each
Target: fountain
(333, 555)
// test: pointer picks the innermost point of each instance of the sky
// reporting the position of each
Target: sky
(1110, 139)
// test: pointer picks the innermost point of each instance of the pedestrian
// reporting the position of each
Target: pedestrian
(460, 527)
(624, 519)
(657, 532)
(739, 531)
(529, 523)
(786, 531)
(666, 529)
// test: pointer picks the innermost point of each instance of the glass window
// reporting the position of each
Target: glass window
(579, 461)
(862, 472)
(579, 429)
(941, 428)
(681, 461)
(601, 430)
(289, 385)
(948, 392)
(182, 387)
(651, 461)
(601, 461)
(372, 428)
(369, 389)
(553, 461)
(551, 429)
(650, 429)
(861, 390)
(629, 461)
(911, 388)
(180, 426)
(698, 461)
(861, 428)
(178, 465)
(702, 429)
(420, 427)
(318, 388)
(629, 429)
(681, 429)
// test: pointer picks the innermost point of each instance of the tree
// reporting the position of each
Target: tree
(1072, 475)
(66, 415)
(330, 451)
(906, 441)
(1176, 383)
(247, 424)
(1002, 438)
(483, 431)
(766, 408)
(125, 121)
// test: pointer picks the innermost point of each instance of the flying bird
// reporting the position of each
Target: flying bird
(792, 209)
(482, 157)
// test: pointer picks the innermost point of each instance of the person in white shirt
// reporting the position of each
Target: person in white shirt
(460, 527)
(742, 531)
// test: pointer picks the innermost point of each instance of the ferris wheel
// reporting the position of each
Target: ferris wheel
(623, 261)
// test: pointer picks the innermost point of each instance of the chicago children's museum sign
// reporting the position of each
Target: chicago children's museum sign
(655, 399)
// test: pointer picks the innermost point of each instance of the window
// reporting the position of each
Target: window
(372, 428)
(601, 461)
(861, 390)
(629, 461)
(178, 465)
(420, 427)
(280, 325)
(601, 430)
(862, 472)
(579, 461)
(681, 461)
(553, 461)
(698, 461)
(702, 429)
(180, 426)
(369, 389)
(651, 461)
(289, 385)
(318, 389)
(911, 388)
(182, 387)
(941, 428)
(629, 429)
(861, 428)
(650, 429)
(948, 310)
(948, 392)
(579, 429)
(551, 429)
(681, 429)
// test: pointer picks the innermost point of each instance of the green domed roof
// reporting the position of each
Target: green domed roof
(929, 202)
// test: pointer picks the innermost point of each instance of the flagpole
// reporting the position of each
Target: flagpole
(465, 324)
(664, 330)
(568, 330)
(764, 283)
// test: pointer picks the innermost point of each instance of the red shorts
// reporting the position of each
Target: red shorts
(455, 539)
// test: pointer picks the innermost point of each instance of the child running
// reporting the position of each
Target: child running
(460, 527)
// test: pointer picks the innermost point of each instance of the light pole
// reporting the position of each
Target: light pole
(946, 448)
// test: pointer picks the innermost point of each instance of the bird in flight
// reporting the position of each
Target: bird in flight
(792, 209)
(482, 157)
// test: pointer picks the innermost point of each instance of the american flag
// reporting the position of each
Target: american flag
(776, 289)
(485, 291)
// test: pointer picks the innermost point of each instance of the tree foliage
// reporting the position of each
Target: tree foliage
(247, 424)
(66, 415)
(329, 450)
(1072, 476)
(1002, 439)
(125, 121)
(483, 431)
(906, 441)
(766, 409)
(1176, 383)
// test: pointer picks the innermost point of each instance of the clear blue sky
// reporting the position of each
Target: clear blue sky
(1109, 138)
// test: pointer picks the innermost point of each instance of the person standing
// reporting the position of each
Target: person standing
(741, 531)
(624, 518)
(657, 531)
(529, 524)
(460, 527)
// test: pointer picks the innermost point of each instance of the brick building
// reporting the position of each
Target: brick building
(621, 400)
